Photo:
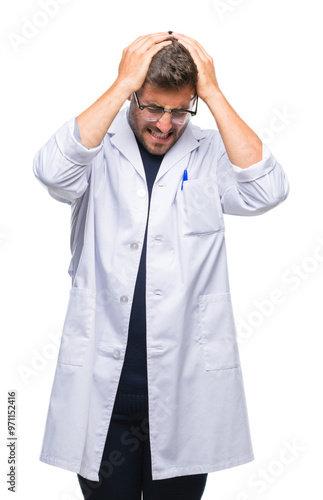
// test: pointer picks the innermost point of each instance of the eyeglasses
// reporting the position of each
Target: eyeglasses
(154, 113)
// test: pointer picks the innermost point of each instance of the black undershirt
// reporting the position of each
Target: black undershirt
(132, 394)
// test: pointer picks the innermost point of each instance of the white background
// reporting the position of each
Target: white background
(268, 57)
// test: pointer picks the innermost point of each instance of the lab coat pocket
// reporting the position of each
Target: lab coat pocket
(201, 207)
(217, 334)
(78, 325)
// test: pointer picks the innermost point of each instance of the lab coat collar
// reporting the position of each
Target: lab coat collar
(123, 138)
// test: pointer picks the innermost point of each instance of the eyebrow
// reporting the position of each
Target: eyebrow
(149, 103)
(159, 106)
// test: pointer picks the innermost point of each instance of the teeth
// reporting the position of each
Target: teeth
(159, 135)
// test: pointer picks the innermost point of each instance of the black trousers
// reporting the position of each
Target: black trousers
(125, 469)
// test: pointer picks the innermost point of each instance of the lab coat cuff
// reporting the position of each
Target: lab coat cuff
(71, 148)
(263, 167)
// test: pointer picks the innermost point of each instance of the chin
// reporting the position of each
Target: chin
(156, 150)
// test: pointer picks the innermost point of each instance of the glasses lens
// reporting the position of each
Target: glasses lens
(152, 114)
(180, 116)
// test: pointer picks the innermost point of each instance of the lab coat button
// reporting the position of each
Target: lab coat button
(159, 238)
(134, 246)
(158, 292)
(124, 299)
(141, 193)
(116, 354)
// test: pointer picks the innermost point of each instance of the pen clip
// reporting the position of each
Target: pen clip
(185, 177)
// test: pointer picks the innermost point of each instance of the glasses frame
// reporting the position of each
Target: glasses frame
(163, 110)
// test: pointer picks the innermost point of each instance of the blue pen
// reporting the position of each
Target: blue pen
(184, 178)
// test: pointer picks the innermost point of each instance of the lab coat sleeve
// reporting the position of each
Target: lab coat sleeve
(253, 190)
(63, 165)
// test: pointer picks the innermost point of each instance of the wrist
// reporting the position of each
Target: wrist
(123, 88)
(213, 95)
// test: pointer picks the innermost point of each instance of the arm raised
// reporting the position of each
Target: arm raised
(94, 122)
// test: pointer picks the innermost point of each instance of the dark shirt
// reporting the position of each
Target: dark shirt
(132, 394)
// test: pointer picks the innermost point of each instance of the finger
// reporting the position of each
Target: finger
(190, 43)
(198, 55)
(148, 40)
(157, 47)
(186, 38)
(191, 47)
(143, 37)
(153, 42)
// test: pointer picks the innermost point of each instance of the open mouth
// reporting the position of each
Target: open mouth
(159, 136)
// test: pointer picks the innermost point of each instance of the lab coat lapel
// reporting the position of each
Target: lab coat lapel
(123, 138)
(185, 144)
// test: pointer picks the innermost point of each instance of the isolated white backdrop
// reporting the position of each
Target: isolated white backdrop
(268, 56)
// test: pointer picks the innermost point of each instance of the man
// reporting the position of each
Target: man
(148, 392)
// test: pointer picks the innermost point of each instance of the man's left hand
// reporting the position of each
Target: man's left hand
(243, 146)
(207, 83)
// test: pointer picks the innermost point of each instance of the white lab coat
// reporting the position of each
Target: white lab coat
(198, 420)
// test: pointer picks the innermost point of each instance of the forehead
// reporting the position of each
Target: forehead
(166, 98)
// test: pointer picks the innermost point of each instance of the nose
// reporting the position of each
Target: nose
(165, 123)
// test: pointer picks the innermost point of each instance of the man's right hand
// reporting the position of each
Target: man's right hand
(95, 121)
(136, 59)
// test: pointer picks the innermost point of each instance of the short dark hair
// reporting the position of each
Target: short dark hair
(172, 67)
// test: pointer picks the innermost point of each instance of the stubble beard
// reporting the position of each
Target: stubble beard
(139, 130)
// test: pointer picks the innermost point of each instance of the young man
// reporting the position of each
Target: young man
(148, 392)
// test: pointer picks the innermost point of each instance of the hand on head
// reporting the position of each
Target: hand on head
(137, 57)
